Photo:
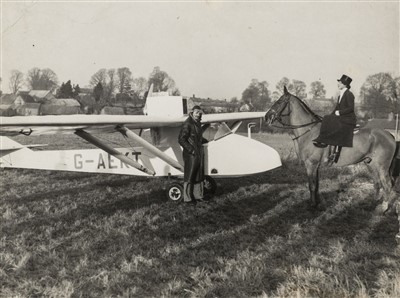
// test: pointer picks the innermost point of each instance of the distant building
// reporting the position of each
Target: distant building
(22, 99)
(6, 104)
(28, 109)
(61, 106)
(18, 104)
(215, 106)
(41, 96)
(6, 101)
(107, 110)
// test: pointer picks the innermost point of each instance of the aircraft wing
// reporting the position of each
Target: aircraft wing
(223, 117)
(65, 124)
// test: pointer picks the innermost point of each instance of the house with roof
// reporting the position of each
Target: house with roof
(41, 96)
(22, 99)
(61, 106)
(28, 109)
(25, 105)
(6, 104)
(6, 100)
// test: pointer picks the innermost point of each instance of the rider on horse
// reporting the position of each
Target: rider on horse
(337, 128)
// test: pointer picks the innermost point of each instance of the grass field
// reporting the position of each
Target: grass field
(90, 235)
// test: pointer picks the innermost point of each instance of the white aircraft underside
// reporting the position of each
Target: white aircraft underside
(223, 158)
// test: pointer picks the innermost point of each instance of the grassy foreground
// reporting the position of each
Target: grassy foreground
(89, 235)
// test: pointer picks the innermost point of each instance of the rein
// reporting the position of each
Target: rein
(307, 131)
(290, 126)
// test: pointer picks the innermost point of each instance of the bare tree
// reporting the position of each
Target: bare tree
(139, 88)
(124, 79)
(162, 81)
(257, 95)
(99, 77)
(299, 88)
(49, 79)
(379, 94)
(16, 81)
(33, 78)
(281, 84)
(106, 78)
(317, 90)
(45, 79)
(296, 87)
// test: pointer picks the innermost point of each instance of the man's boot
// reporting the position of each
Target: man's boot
(190, 189)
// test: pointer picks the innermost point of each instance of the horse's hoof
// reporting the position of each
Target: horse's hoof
(316, 207)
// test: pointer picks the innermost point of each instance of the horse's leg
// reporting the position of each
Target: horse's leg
(398, 219)
(389, 197)
(313, 182)
(377, 182)
(382, 180)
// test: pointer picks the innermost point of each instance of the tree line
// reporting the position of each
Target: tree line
(106, 84)
(380, 93)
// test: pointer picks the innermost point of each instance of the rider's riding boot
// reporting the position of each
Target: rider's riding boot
(337, 153)
(334, 157)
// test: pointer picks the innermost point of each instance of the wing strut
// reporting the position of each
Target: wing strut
(110, 150)
(153, 149)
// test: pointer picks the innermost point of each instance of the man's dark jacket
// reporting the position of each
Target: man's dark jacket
(338, 130)
(191, 139)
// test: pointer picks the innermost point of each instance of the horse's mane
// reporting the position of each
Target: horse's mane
(307, 108)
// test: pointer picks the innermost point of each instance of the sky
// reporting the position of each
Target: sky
(211, 49)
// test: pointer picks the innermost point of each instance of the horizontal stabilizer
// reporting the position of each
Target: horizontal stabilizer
(8, 146)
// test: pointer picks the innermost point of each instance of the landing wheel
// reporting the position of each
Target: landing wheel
(210, 186)
(175, 192)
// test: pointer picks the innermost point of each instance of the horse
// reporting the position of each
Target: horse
(375, 147)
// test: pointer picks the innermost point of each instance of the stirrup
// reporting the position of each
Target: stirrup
(320, 145)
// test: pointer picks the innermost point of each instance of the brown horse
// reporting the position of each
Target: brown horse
(375, 147)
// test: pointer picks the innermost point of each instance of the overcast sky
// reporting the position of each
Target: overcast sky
(211, 49)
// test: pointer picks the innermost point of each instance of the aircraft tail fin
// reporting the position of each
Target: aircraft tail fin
(8, 146)
(150, 92)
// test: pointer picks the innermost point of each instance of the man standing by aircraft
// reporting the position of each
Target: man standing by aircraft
(191, 139)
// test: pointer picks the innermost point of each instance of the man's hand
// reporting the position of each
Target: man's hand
(337, 113)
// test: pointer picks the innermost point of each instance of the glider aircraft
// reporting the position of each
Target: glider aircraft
(227, 155)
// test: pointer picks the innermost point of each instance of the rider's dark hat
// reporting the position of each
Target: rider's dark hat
(345, 80)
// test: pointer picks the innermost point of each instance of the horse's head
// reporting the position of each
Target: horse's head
(291, 112)
(278, 109)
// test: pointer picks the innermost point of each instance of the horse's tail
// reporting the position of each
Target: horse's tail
(394, 169)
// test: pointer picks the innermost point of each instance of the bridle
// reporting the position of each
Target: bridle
(279, 114)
